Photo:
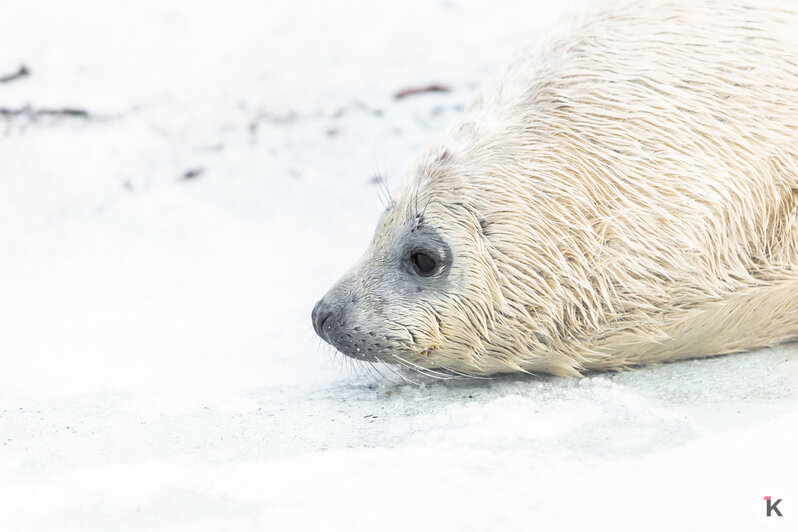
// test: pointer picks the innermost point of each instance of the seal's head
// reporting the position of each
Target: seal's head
(426, 292)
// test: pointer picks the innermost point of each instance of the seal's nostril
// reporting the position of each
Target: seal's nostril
(321, 312)
(322, 319)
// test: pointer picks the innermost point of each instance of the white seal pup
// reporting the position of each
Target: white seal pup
(623, 193)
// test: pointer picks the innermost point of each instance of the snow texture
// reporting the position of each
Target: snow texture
(158, 368)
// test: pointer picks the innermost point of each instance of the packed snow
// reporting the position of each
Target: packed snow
(160, 256)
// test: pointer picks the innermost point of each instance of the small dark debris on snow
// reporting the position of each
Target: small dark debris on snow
(414, 91)
(21, 72)
(333, 132)
(193, 173)
(283, 118)
(30, 112)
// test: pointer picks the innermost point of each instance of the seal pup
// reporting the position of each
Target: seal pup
(623, 193)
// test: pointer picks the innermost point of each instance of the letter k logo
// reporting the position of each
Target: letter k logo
(772, 506)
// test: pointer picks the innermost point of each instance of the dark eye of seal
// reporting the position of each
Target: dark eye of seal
(423, 264)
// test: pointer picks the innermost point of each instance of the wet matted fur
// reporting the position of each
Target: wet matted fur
(623, 193)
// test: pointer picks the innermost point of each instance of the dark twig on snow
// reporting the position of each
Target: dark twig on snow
(193, 173)
(30, 112)
(20, 73)
(413, 91)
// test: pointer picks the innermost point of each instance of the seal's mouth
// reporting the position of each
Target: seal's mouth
(336, 323)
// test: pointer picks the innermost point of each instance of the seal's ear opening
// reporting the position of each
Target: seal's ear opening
(483, 225)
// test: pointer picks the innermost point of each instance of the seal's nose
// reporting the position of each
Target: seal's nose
(321, 312)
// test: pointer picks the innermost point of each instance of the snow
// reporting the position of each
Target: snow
(158, 366)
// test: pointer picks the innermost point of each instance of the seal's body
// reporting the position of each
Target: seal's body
(625, 192)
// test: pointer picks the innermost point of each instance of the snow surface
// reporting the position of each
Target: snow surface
(158, 368)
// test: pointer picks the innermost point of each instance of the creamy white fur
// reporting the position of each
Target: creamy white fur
(623, 193)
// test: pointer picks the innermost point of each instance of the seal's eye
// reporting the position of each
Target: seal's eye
(423, 264)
